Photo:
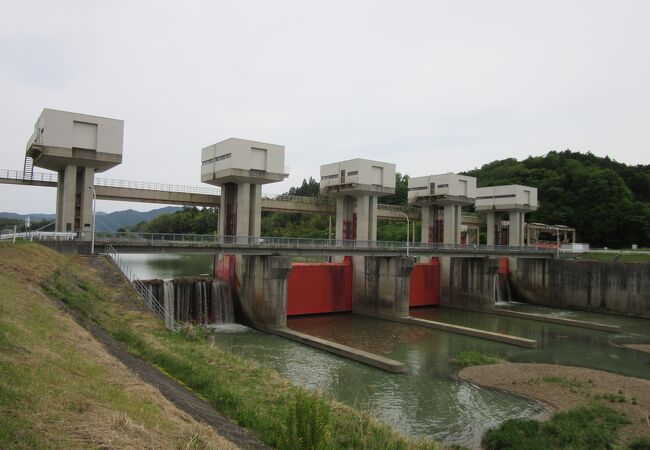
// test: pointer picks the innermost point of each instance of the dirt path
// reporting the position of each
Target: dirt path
(173, 391)
(564, 387)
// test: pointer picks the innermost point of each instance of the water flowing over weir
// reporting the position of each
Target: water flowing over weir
(195, 300)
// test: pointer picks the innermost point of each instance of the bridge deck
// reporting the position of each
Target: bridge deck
(143, 192)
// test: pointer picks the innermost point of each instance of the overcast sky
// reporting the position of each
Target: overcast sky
(431, 86)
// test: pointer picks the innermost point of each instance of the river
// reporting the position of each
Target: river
(427, 400)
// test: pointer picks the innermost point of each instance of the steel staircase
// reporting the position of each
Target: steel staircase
(28, 168)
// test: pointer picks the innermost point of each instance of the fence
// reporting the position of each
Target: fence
(153, 304)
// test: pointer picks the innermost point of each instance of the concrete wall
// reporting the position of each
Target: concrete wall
(381, 285)
(471, 283)
(622, 288)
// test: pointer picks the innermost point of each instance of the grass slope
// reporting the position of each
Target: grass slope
(255, 397)
(58, 386)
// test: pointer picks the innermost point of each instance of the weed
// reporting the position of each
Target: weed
(307, 424)
(564, 382)
(471, 358)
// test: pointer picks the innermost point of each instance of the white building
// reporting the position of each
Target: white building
(445, 193)
(241, 167)
(356, 184)
(76, 146)
(515, 201)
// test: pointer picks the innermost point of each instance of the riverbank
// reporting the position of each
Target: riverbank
(60, 388)
(253, 397)
(563, 388)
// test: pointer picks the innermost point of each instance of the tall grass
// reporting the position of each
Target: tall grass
(594, 427)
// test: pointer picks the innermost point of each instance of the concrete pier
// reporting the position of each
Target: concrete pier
(262, 293)
(389, 365)
(471, 283)
(381, 285)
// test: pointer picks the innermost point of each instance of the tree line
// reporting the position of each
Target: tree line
(606, 201)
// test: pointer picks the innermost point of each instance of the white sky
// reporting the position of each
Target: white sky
(432, 86)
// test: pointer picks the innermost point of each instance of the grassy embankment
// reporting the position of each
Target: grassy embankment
(595, 419)
(59, 388)
(257, 398)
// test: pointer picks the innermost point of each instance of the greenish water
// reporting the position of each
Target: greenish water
(427, 400)
(166, 266)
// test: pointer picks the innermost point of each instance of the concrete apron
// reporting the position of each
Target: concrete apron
(261, 295)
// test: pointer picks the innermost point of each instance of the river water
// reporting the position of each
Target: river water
(427, 400)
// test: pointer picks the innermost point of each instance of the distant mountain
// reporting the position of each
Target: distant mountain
(105, 221)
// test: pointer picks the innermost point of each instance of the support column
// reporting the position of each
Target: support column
(515, 232)
(452, 224)
(59, 227)
(340, 217)
(243, 209)
(372, 219)
(363, 218)
(427, 223)
(85, 181)
(68, 198)
(491, 227)
(262, 296)
(382, 285)
(255, 219)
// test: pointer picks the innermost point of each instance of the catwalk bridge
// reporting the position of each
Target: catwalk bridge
(197, 243)
(170, 194)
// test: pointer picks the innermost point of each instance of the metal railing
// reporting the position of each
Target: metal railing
(48, 177)
(154, 305)
(211, 240)
(107, 182)
(36, 176)
(40, 236)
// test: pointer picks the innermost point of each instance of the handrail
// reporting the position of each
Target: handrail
(211, 240)
(154, 305)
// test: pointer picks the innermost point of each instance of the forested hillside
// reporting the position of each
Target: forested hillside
(606, 201)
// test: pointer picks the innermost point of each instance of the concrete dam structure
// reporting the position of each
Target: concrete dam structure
(620, 288)
(194, 300)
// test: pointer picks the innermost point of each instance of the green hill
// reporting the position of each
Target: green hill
(606, 201)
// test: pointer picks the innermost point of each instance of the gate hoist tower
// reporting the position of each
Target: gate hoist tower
(240, 167)
(437, 193)
(514, 200)
(356, 184)
(76, 146)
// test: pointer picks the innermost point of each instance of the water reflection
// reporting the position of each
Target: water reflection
(167, 266)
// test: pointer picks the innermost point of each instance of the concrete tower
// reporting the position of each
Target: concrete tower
(76, 146)
(496, 202)
(241, 167)
(437, 193)
(356, 184)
